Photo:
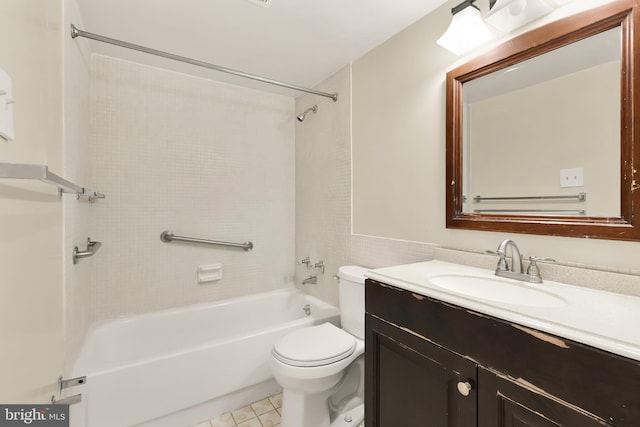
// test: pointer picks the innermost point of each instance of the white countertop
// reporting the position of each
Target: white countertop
(604, 320)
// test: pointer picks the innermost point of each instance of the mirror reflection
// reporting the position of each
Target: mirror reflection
(543, 137)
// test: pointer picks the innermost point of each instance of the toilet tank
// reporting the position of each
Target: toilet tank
(352, 299)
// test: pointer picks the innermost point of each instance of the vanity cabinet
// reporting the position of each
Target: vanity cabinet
(417, 381)
(430, 363)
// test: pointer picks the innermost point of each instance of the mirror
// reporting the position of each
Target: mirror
(540, 135)
(543, 137)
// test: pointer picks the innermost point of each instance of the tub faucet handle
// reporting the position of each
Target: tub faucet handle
(320, 265)
(306, 261)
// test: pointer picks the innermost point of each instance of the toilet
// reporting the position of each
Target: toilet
(321, 368)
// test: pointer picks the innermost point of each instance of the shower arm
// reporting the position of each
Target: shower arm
(75, 32)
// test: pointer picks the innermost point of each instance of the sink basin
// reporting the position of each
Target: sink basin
(497, 290)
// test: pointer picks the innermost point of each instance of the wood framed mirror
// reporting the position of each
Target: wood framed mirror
(570, 171)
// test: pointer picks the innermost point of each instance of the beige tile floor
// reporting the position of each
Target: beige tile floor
(264, 413)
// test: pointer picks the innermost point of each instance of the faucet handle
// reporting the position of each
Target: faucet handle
(306, 261)
(534, 259)
(533, 271)
(502, 262)
(319, 265)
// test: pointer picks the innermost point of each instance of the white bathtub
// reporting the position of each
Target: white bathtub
(181, 366)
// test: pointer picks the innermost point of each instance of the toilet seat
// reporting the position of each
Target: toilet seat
(314, 346)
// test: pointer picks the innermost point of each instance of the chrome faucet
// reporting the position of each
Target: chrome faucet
(516, 271)
(516, 258)
(311, 280)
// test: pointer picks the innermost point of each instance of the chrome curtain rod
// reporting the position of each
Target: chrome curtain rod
(75, 32)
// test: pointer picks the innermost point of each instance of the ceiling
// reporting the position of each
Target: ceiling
(301, 42)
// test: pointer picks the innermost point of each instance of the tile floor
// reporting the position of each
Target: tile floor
(264, 413)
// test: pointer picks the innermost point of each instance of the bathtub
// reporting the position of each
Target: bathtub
(179, 367)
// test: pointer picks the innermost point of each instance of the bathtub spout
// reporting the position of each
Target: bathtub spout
(311, 280)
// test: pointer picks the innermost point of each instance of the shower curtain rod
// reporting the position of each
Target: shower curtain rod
(75, 32)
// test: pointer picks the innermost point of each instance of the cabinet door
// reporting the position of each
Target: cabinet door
(410, 382)
(505, 403)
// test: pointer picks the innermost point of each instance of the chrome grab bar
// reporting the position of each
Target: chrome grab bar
(168, 236)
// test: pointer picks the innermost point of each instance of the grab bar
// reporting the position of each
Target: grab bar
(168, 236)
(581, 197)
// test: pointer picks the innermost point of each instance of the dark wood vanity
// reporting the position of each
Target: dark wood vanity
(431, 363)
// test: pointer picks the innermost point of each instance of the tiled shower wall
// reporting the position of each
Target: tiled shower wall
(199, 158)
(323, 183)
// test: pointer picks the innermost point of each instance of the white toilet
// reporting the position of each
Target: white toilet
(321, 368)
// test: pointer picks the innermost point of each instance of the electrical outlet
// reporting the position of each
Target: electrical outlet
(572, 177)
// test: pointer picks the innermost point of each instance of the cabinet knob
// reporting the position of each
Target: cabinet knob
(465, 388)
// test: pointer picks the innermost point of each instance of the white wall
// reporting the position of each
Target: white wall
(31, 277)
(77, 168)
(200, 158)
(399, 150)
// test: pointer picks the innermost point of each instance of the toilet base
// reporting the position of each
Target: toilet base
(351, 418)
(299, 409)
(333, 401)
(314, 412)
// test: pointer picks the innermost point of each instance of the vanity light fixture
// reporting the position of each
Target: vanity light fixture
(508, 15)
(467, 29)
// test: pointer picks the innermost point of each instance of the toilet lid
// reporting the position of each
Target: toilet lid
(314, 346)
